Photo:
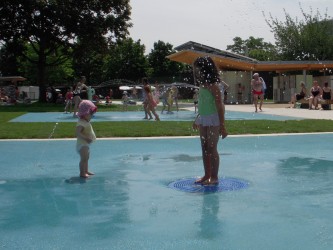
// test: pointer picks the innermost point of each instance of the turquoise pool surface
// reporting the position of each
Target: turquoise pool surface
(128, 204)
(138, 116)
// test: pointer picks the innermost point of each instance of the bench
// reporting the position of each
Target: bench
(304, 103)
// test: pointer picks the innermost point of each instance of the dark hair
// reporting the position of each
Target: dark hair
(147, 89)
(145, 80)
(205, 71)
(326, 84)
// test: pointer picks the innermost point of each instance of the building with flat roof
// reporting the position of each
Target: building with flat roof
(239, 69)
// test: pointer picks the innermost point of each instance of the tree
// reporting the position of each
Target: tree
(161, 66)
(127, 60)
(8, 59)
(310, 38)
(255, 48)
(57, 74)
(53, 25)
(89, 58)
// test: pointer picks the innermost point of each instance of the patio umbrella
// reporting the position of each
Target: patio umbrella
(125, 88)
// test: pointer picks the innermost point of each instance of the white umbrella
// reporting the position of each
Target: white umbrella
(125, 88)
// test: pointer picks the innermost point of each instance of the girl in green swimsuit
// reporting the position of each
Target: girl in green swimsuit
(210, 119)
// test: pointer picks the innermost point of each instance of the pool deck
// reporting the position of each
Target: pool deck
(283, 109)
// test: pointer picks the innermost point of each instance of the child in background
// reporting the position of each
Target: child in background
(69, 100)
(85, 135)
(125, 101)
(165, 96)
(151, 104)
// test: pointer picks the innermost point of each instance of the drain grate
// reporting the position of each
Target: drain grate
(225, 184)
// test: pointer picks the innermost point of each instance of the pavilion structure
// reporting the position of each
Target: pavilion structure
(245, 66)
(225, 60)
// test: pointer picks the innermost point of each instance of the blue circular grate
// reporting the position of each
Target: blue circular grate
(225, 184)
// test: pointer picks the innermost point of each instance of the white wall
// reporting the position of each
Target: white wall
(32, 91)
(232, 78)
(284, 86)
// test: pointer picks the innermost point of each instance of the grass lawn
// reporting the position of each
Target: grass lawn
(139, 128)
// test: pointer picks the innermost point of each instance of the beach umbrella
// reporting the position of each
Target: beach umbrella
(125, 88)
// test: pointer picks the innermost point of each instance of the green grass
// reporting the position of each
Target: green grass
(12, 130)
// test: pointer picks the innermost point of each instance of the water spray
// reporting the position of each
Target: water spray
(38, 164)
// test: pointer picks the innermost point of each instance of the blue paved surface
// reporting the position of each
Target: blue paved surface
(128, 204)
(138, 116)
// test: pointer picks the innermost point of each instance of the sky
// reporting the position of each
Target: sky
(212, 22)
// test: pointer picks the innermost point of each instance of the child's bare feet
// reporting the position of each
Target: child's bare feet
(84, 175)
(201, 180)
(90, 173)
(210, 182)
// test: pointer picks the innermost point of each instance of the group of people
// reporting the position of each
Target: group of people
(10, 95)
(210, 120)
(317, 95)
(75, 95)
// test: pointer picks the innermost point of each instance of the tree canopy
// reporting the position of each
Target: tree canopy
(308, 38)
(163, 67)
(255, 48)
(52, 25)
(126, 60)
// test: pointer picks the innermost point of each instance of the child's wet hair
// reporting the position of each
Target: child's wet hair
(205, 71)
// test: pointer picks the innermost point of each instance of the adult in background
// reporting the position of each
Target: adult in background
(240, 89)
(299, 96)
(316, 93)
(257, 87)
(78, 94)
(327, 95)
(83, 88)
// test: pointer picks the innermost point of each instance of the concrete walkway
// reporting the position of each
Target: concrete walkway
(283, 109)
(271, 109)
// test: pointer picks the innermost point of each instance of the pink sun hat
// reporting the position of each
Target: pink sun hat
(86, 107)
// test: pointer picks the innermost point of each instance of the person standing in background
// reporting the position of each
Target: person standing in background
(257, 91)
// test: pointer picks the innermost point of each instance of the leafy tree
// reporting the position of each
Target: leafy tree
(53, 25)
(163, 67)
(255, 48)
(8, 59)
(58, 74)
(309, 38)
(89, 58)
(127, 60)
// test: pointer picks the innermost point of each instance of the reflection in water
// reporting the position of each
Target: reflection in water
(76, 180)
(51, 202)
(185, 158)
(189, 158)
(307, 176)
(305, 166)
(210, 226)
